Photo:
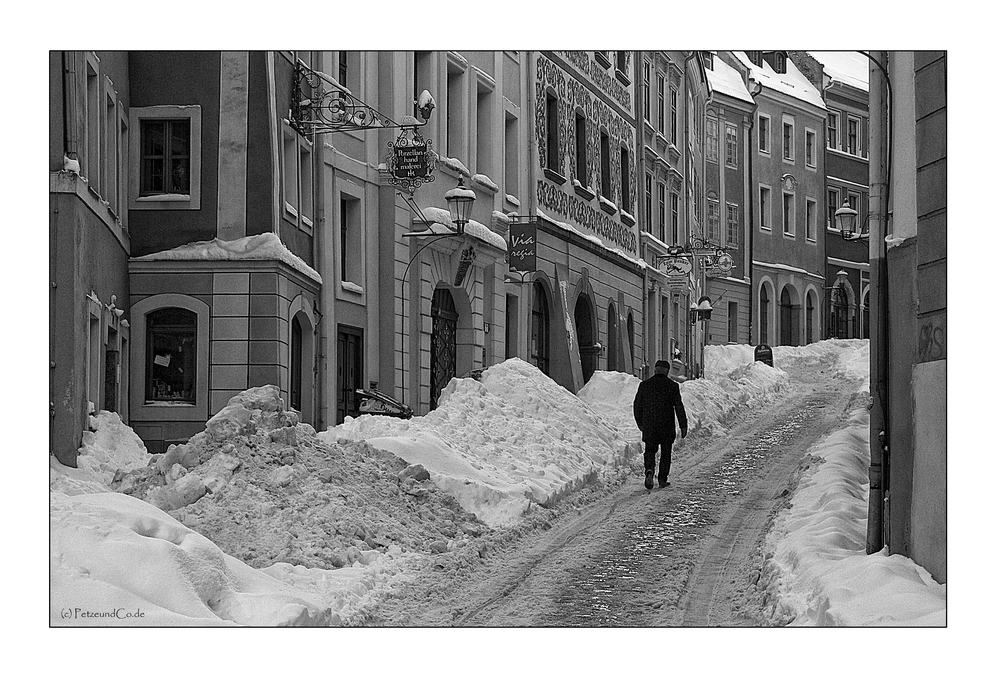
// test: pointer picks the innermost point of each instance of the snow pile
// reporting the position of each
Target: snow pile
(816, 569)
(118, 561)
(500, 444)
(109, 449)
(263, 247)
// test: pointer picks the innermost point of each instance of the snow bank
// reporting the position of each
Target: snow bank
(499, 444)
(118, 561)
(816, 569)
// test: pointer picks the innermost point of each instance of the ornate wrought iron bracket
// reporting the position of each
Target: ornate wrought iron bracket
(320, 104)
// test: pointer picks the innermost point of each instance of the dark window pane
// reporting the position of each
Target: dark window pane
(180, 181)
(171, 355)
(153, 137)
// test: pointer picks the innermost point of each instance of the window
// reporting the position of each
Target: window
(712, 141)
(603, 58)
(661, 210)
(661, 111)
(788, 213)
(713, 220)
(350, 239)
(605, 166)
(673, 116)
(342, 68)
(297, 177)
(305, 183)
(110, 152)
(787, 140)
(675, 222)
(732, 225)
(779, 62)
(165, 159)
(626, 205)
(854, 200)
(833, 129)
(755, 58)
(622, 65)
(832, 205)
(551, 132)
(649, 202)
(171, 355)
(853, 135)
(645, 89)
(92, 166)
(764, 134)
(581, 148)
(810, 148)
(484, 131)
(539, 349)
(732, 150)
(511, 163)
(765, 208)
(810, 219)
(454, 121)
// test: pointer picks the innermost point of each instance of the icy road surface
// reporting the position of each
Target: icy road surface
(686, 555)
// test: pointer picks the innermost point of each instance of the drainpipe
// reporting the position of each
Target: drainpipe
(878, 202)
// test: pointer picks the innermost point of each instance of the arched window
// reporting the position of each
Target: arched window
(539, 348)
(764, 311)
(630, 328)
(171, 355)
(612, 338)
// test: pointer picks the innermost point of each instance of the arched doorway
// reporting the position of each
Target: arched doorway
(444, 328)
(612, 338)
(810, 309)
(789, 318)
(539, 349)
(630, 325)
(765, 310)
(301, 361)
(295, 378)
(589, 350)
(865, 331)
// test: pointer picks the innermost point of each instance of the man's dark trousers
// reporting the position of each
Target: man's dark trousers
(649, 457)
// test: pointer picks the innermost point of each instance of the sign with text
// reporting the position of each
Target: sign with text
(523, 246)
(675, 266)
(410, 160)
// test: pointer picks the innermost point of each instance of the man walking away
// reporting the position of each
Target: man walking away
(656, 401)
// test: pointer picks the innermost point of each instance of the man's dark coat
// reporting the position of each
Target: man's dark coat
(656, 401)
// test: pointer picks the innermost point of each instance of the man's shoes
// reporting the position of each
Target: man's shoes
(649, 480)
(664, 483)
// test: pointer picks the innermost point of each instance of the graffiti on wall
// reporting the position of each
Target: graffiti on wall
(932, 339)
(573, 96)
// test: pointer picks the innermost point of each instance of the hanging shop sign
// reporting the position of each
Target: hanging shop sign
(410, 161)
(677, 284)
(678, 267)
(523, 246)
(702, 247)
(722, 262)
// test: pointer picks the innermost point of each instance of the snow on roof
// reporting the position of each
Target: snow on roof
(725, 79)
(436, 215)
(791, 82)
(263, 247)
(850, 68)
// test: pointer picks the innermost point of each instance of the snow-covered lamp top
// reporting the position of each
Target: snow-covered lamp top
(460, 201)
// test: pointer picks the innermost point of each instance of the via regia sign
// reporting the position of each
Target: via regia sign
(522, 248)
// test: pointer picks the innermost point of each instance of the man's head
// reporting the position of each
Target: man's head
(662, 367)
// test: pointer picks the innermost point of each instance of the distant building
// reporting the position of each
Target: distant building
(729, 122)
(842, 77)
(788, 179)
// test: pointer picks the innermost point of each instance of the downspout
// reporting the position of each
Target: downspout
(880, 176)
(752, 202)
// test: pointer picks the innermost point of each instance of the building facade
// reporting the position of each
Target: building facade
(728, 125)
(788, 255)
(842, 77)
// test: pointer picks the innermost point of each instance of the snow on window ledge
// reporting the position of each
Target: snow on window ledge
(485, 182)
(348, 286)
(165, 197)
(512, 200)
(607, 205)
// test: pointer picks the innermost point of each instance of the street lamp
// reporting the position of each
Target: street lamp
(460, 201)
(846, 220)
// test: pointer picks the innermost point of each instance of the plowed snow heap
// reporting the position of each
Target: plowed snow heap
(265, 489)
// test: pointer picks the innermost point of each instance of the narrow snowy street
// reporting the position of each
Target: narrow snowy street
(687, 555)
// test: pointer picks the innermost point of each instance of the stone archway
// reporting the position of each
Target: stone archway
(789, 312)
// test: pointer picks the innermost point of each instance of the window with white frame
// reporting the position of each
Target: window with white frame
(764, 134)
(810, 219)
(673, 116)
(787, 139)
(109, 154)
(92, 158)
(712, 140)
(732, 146)
(765, 208)
(853, 135)
(171, 356)
(732, 225)
(675, 220)
(484, 129)
(661, 210)
(833, 129)
(350, 239)
(661, 105)
(165, 157)
(832, 205)
(511, 175)
(788, 213)
(645, 89)
(297, 178)
(712, 233)
(810, 148)
(854, 200)
(649, 202)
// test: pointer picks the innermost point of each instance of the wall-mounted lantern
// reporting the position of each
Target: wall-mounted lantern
(846, 220)
(460, 201)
